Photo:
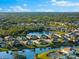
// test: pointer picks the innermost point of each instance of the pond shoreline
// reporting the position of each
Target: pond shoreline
(15, 49)
(27, 52)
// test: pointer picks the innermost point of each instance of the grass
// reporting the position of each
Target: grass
(44, 55)
(3, 49)
(61, 32)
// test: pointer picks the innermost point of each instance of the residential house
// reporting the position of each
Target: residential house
(16, 43)
(36, 41)
(21, 38)
(9, 38)
(45, 37)
(2, 44)
(29, 42)
(34, 37)
(28, 37)
(66, 37)
(1, 39)
(56, 37)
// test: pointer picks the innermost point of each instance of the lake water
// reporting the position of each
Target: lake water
(29, 53)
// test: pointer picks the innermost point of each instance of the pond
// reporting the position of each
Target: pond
(29, 53)
(39, 33)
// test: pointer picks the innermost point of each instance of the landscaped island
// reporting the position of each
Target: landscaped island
(62, 53)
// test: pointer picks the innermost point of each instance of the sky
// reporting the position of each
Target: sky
(39, 5)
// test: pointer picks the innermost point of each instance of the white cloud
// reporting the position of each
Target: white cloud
(24, 5)
(65, 3)
(44, 10)
(49, 10)
(42, 5)
(53, 0)
(17, 9)
(0, 9)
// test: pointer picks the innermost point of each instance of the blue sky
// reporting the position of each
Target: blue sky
(39, 5)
